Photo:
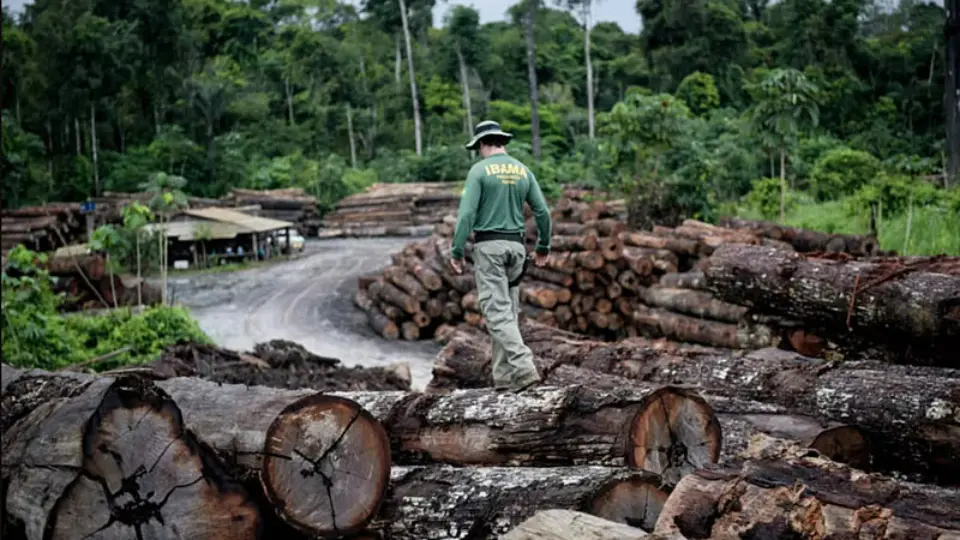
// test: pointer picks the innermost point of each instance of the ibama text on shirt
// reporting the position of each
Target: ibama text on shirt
(507, 173)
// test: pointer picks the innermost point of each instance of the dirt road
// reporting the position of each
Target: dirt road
(308, 300)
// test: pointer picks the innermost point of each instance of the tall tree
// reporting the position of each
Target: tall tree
(585, 10)
(417, 132)
(951, 95)
(530, 26)
(463, 31)
(785, 104)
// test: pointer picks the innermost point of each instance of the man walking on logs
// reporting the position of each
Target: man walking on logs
(492, 208)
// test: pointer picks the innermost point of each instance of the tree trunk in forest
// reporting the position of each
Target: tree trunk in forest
(289, 95)
(911, 307)
(807, 498)
(111, 458)
(397, 62)
(76, 135)
(484, 502)
(783, 184)
(920, 434)
(591, 121)
(951, 94)
(93, 150)
(352, 137)
(530, 25)
(464, 81)
(418, 136)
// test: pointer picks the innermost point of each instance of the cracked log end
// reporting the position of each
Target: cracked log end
(846, 444)
(144, 476)
(326, 465)
(635, 501)
(675, 432)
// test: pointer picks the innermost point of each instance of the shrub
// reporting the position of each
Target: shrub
(765, 198)
(842, 171)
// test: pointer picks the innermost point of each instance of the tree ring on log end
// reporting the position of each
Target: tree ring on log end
(674, 433)
(326, 465)
(845, 444)
(145, 476)
(636, 501)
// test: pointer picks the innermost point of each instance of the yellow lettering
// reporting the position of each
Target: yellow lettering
(497, 168)
(487, 170)
(523, 172)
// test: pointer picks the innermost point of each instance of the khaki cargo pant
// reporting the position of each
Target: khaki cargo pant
(496, 263)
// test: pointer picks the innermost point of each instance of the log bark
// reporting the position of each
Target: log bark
(665, 430)
(574, 243)
(678, 327)
(689, 302)
(919, 435)
(471, 502)
(394, 296)
(911, 308)
(111, 458)
(551, 276)
(807, 498)
(572, 525)
(663, 261)
(405, 281)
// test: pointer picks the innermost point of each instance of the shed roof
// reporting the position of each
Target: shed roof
(245, 221)
(187, 231)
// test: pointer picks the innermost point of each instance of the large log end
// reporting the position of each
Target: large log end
(675, 433)
(144, 475)
(326, 465)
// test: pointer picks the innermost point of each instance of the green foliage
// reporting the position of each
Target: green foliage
(35, 335)
(699, 92)
(841, 172)
(764, 198)
(785, 103)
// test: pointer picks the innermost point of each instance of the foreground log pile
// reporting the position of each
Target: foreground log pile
(392, 210)
(123, 456)
(289, 204)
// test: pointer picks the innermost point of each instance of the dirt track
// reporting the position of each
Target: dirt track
(308, 300)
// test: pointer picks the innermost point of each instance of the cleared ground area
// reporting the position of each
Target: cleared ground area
(308, 300)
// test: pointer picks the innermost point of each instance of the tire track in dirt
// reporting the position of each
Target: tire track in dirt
(308, 300)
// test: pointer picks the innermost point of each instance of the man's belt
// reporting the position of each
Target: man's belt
(487, 236)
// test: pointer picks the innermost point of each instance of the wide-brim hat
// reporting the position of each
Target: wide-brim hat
(486, 128)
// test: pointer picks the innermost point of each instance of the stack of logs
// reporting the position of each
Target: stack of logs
(610, 434)
(42, 228)
(289, 204)
(392, 210)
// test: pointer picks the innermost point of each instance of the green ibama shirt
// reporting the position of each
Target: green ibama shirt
(493, 201)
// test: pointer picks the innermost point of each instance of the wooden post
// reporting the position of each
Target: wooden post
(289, 245)
(256, 252)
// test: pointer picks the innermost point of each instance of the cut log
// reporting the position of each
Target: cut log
(430, 502)
(663, 261)
(111, 458)
(405, 281)
(376, 318)
(692, 330)
(664, 430)
(571, 525)
(551, 276)
(686, 280)
(591, 260)
(741, 421)
(388, 293)
(912, 308)
(611, 248)
(410, 331)
(427, 277)
(676, 244)
(541, 296)
(918, 435)
(689, 302)
(807, 498)
(805, 240)
(574, 243)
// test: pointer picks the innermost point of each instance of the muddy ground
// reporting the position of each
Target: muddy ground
(308, 300)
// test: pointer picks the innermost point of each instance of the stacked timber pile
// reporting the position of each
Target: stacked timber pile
(42, 228)
(289, 204)
(392, 210)
(600, 280)
(158, 457)
(109, 206)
